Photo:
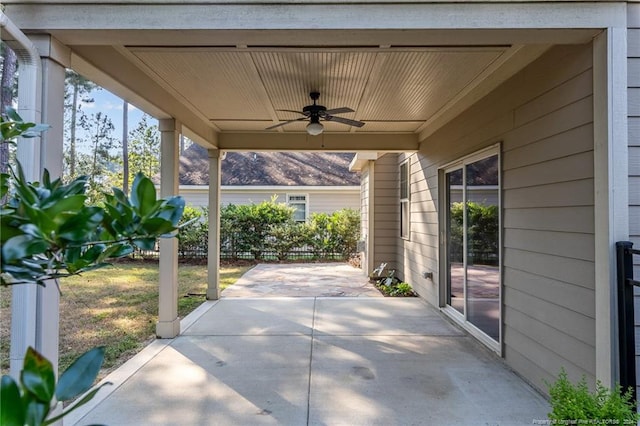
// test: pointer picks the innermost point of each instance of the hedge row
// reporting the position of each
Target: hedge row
(268, 231)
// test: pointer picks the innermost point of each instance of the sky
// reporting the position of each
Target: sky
(111, 105)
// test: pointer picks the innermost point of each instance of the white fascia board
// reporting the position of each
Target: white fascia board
(360, 159)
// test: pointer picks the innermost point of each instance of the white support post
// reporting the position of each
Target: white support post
(611, 188)
(168, 325)
(371, 243)
(213, 253)
(48, 298)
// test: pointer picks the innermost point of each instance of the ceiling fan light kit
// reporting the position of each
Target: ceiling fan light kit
(315, 128)
(314, 113)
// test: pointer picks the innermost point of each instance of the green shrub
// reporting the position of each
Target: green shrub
(571, 402)
(245, 228)
(285, 237)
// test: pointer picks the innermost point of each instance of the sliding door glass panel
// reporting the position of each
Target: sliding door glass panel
(455, 243)
(482, 245)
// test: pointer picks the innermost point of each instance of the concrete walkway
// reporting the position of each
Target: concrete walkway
(302, 280)
(315, 361)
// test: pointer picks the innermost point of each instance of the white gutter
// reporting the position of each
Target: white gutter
(29, 79)
(24, 296)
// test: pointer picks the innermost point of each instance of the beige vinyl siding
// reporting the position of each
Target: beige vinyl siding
(386, 214)
(633, 74)
(323, 201)
(542, 118)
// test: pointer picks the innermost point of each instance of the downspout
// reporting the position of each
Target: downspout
(24, 296)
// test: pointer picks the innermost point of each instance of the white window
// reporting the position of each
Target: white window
(405, 208)
(300, 204)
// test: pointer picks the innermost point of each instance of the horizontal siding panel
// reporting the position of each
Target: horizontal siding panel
(567, 219)
(633, 72)
(633, 101)
(567, 244)
(569, 322)
(575, 167)
(574, 193)
(634, 131)
(633, 43)
(574, 297)
(573, 271)
(553, 363)
(571, 142)
(570, 91)
(634, 190)
(572, 116)
(634, 220)
(634, 161)
(563, 344)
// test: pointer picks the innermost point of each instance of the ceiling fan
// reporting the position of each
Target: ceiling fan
(314, 113)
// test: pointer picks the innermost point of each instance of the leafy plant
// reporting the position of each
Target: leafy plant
(571, 402)
(31, 401)
(47, 231)
(13, 126)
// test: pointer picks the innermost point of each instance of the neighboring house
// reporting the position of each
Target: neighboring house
(309, 182)
(527, 108)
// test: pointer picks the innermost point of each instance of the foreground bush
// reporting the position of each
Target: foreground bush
(576, 403)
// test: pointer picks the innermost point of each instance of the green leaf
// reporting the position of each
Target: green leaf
(80, 375)
(143, 194)
(22, 246)
(35, 412)
(37, 376)
(145, 243)
(79, 227)
(157, 226)
(12, 413)
(88, 397)
(69, 203)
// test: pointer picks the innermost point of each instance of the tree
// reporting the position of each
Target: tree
(144, 148)
(77, 88)
(8, 88)
(99, 165)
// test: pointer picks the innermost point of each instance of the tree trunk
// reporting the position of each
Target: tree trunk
(8, 73)
(72, 132)
(125, 147)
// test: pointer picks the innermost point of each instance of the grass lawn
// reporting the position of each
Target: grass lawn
(115, 307)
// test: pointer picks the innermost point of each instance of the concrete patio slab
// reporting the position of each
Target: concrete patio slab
(415, 380)
(377, 317)
(256, 317)
(303, 280)
(289, 369)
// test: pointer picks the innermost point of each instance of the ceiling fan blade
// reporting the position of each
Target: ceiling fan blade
(297, 112)
(344, 121)
(338, 110)
(285, 122)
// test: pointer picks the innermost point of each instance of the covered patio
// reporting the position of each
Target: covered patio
(315, 361)
(223, 73)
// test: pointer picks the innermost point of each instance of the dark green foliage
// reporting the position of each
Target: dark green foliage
(194, 232)
(245, 228)
(12, 126)
(482, 237)
(47, 230)
(571, 402)
(269, 227)
(285, 237)
(30, 401)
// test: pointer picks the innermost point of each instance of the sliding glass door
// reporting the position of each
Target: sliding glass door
(473, 243)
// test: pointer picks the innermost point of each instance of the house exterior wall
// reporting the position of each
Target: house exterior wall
(386, 212)
(633, 110)
(319, 201)
(543, 120)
